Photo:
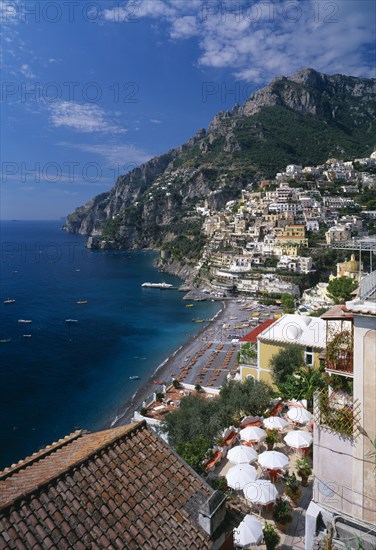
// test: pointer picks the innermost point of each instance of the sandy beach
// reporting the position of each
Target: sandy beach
(230, 314)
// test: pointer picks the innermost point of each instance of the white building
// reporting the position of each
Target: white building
(344, 488)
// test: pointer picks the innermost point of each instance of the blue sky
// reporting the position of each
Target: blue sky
(91, 89)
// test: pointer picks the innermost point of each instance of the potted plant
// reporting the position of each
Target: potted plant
(159, 396)
(292, 487)
(220, 441)
(282, 512)
(271, 438)
(271, 537)
(304, 470)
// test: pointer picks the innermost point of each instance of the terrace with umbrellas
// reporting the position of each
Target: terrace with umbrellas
(264, 467)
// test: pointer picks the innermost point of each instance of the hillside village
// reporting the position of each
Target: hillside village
(263, 242)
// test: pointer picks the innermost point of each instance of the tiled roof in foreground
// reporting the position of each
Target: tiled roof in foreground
(119, 488)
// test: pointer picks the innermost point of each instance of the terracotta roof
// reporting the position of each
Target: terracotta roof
(119, 488)
(252, 336)
(336, 312)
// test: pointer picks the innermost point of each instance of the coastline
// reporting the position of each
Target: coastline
(163, 370)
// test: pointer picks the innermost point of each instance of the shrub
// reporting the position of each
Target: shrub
(219, 483)
(271, 537)
(272, 437)
(282, 511)
(304, 468)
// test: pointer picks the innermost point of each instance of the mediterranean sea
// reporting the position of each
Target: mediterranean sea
(56, 376)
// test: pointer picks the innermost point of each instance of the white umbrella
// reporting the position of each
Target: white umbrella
(275, 423)
(298, 439)
(261, 492)
(299, 415)
(240, 475)
(273, 460)
(242, 454)
(251, 420)
(249, 532)
(252, 433)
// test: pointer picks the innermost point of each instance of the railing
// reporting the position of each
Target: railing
(337, 413)
(344, 363)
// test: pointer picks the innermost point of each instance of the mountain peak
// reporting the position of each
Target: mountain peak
(303, 119)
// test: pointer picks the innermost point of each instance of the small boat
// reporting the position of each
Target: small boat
(9, 301)
(5, 340)
(198, 320)
(188, 305)
(71, 320)
(25, 321)
(81, 301)
(134, 378)
(162, 286)
(26, 336)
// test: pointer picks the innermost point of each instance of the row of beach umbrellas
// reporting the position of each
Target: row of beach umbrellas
(298, 415)
(243, 474)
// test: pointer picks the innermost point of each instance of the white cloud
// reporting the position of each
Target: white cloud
(134, 10)
(155, 121)
(123, 155)
(184, 27)
(83, 118)
(9, 12)
(258, 40)
(26, 71)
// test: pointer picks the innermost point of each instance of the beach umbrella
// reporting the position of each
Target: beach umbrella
(299, 415)
(241, 454)
(251, 421)
(249, 532)
(273, 460)
(240, 475)
(275, 423)
(298, 439)
(261, 492)
(252, 433)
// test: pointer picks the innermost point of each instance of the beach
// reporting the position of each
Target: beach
(231, 315)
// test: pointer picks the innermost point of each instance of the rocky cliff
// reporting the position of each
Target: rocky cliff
(303, 119)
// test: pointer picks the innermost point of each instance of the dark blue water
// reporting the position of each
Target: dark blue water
(77, 375)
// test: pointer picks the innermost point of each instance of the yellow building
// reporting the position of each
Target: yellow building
(350, 268)
(291, 235)
(308, 332)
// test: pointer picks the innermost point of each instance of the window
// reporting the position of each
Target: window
(308, 356)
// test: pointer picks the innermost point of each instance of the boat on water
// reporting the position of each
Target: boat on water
(188, 305)
(25, 321)
(26, 336)
(81, 302)
(9, 301)
(5, 340)
(198, 320)
(71, 320)
(162, 286)
(134, 378)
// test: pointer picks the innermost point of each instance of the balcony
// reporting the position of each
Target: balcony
(342, 364)
(339, 357)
